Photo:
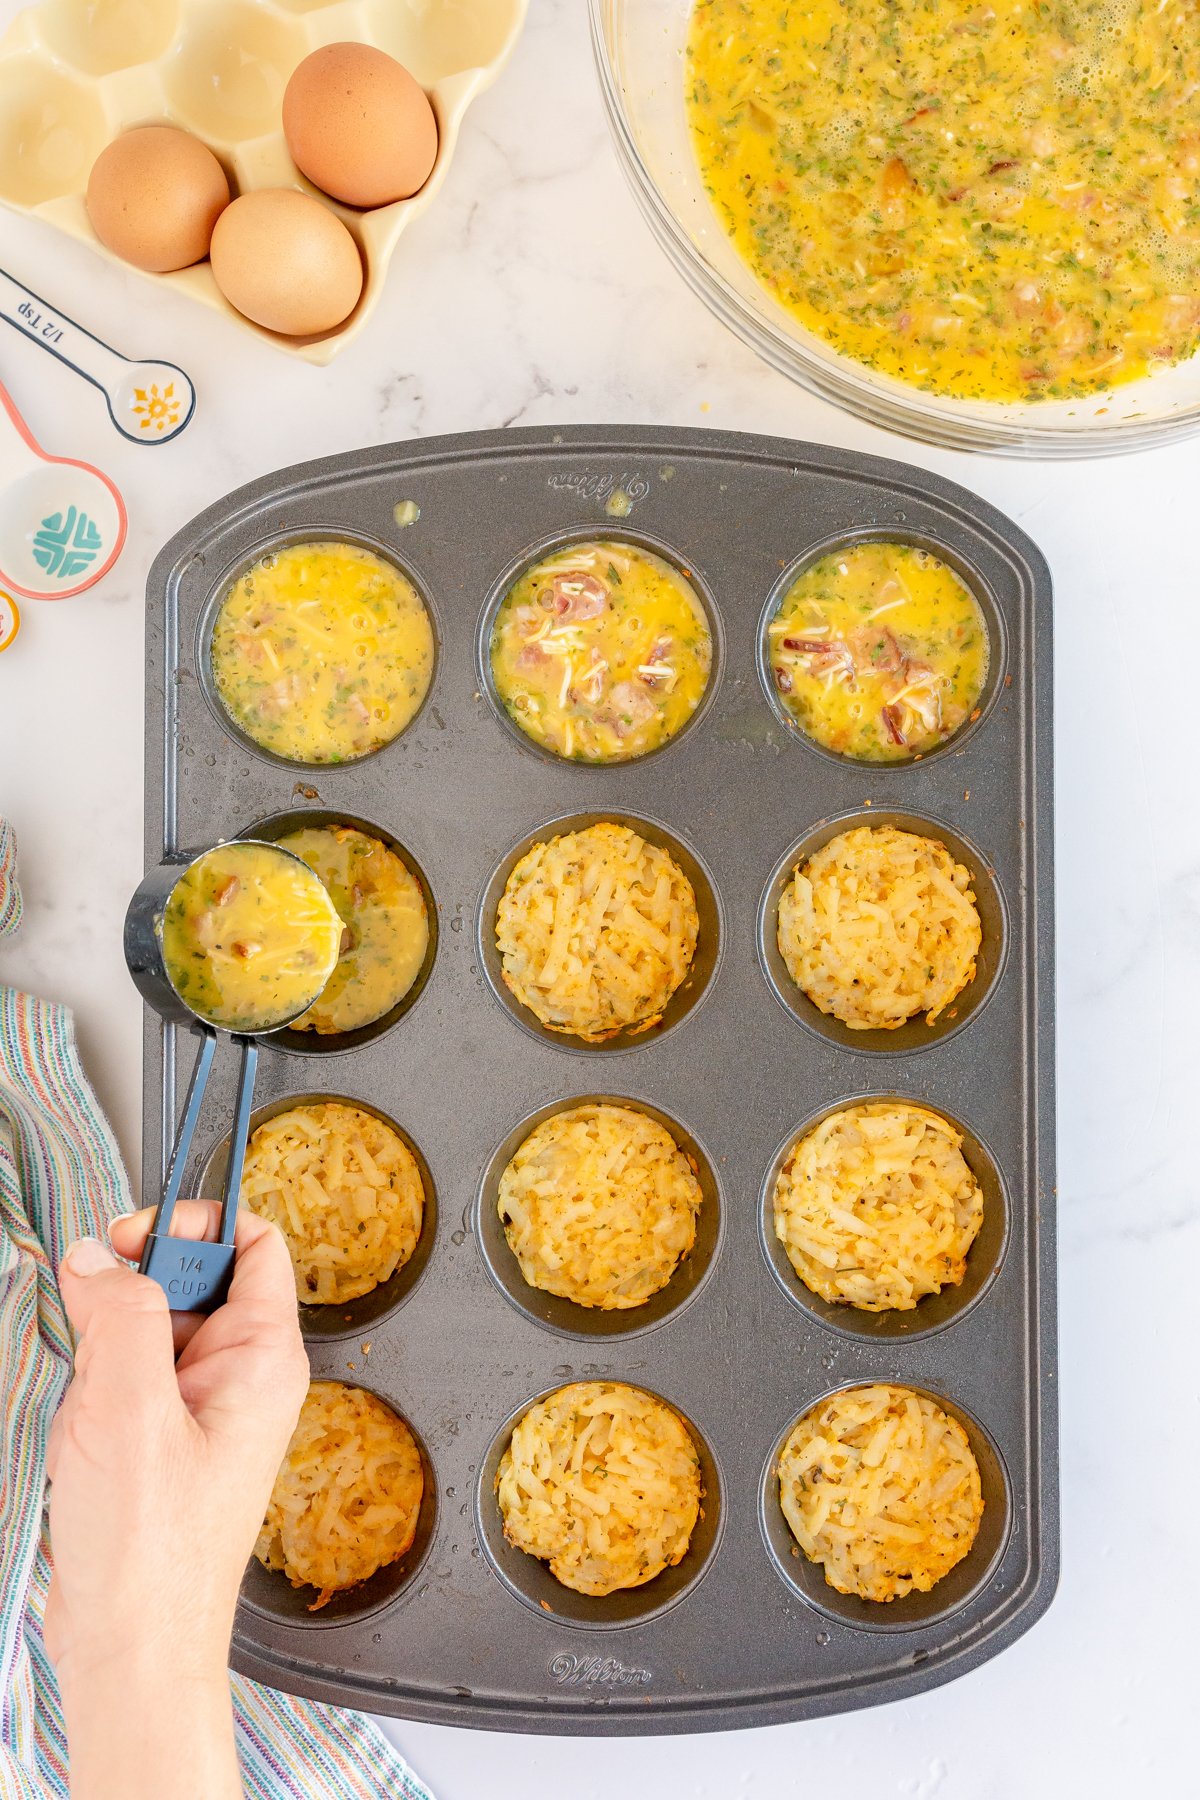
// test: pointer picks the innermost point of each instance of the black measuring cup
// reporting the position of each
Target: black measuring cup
(194, 1273)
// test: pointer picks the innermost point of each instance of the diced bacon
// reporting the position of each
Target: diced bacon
(825, 657)
(891, 717)
(578, 595)
(531, 656)
(632, 706)
(227, 890)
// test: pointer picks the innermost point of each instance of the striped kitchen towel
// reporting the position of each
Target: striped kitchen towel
(10, 892)
(61, 1178)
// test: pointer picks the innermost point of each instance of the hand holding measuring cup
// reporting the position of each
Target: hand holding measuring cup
(241, 938)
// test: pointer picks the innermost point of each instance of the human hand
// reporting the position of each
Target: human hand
(160, 1475)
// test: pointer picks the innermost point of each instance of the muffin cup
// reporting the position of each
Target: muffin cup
(568, 1317)
(529, 1578)
(695, 986)
(332, 1043)
(270, 1594)
(914, 1034)
(934, 1311)
(350, 1318)
(956, 1589)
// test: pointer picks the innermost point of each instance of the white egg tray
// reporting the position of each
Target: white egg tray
(74, 74)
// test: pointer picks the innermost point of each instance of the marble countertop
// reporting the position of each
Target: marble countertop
(531, 293)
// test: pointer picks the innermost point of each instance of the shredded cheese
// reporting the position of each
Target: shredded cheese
(602, 1481)
(876, 1206)
(596, 930)
(599, 1205)
(348, 1495)
(880, 925)
(881, 1487)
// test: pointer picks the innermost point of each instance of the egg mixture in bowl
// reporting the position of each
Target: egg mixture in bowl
(990, 200)
(972, 222)
(601, 652)
(322, 652)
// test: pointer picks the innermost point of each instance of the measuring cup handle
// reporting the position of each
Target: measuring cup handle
(54, 331)
(194, 1274)
(237, 1141)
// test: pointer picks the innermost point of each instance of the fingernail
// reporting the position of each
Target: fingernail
(88, 1256)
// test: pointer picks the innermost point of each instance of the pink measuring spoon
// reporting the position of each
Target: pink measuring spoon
(62, 522)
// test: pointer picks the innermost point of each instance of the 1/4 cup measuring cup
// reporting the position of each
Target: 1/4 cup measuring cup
(195, 1274)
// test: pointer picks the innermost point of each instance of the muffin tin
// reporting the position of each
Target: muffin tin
(467, 1630)
(74, 74)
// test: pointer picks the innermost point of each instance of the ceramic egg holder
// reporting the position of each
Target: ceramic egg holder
(74, 74)
(148, 402)
(62, 522)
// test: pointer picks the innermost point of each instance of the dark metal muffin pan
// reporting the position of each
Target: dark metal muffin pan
(467, 1630)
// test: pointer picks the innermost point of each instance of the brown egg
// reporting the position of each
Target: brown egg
(286, 261)
(154, 195)
(359, 126)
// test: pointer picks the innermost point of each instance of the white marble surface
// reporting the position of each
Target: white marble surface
(532, 293)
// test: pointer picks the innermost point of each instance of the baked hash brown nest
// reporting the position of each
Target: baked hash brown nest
(602, 1481)
(599, 1205)
(348, 1493)
(881, 1487)
(876, 1206)
(345, 1190)
(596, 930)
(880, 925)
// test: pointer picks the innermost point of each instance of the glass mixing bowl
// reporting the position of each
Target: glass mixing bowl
(639, 46)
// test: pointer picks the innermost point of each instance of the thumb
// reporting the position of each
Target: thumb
(122, 1325)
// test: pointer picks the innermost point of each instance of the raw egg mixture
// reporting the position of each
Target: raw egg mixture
(322, 652)
(386, 926)
(601, 652)
(249, 936)
(879, 651)
(997, 201)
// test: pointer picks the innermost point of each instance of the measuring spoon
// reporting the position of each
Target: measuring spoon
(62, 522)
(148, 402)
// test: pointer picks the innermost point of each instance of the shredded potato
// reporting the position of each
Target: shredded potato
(876, 1206)
(599, 1205)
(878, 926)
(345, 1191)
(348, 1493)
(602, 1481)
(881, 1487)
(596, 929)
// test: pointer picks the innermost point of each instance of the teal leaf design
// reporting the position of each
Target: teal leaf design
(64, 545)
